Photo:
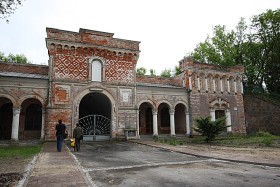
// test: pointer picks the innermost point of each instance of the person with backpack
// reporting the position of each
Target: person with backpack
(78, 135)
(61, 132)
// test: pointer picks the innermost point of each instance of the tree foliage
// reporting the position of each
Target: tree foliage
(152, 72)
(209, 128)
(17, 58)
(256, 46)
(7, 7)
(166, 73)
(140, 71)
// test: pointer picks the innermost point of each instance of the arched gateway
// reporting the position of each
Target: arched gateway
(95, 113)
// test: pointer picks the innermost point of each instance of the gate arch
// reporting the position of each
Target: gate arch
(90, 103)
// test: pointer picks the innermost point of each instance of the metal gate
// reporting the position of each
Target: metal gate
(95, 127)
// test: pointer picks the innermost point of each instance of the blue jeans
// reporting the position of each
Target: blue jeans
(59, 142)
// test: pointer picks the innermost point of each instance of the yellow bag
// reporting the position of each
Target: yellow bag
(72, 142)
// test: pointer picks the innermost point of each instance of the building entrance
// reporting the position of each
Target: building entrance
(95, 117)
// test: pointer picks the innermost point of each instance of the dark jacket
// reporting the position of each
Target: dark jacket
(78, 132)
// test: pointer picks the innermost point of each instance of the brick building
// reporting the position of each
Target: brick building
(91, 79)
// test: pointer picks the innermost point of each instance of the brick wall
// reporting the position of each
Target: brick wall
(24, 68)
(261, 115)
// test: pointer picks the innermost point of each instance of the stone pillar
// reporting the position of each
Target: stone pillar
(190, 83)
(198, 83)
(137, 124)
(188, 129)
(172, 123)
(235, 87)
(228, 120)
(43, 124)
(221, 84)
(15, 125)
(228, 87)
(206, 84)
(155, 123)
(214, 85)
(212, 114)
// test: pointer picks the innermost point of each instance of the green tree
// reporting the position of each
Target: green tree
(7, 7)
(166, 73)
(209, 128)
(17, 58)
(266, 34)
(152, 72)
(256, 46)
(140, 71)
(177, 70)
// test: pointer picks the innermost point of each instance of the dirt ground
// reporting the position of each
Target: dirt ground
(12, 170)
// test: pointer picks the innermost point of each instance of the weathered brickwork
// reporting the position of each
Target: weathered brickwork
(214, 84)
(261, 115)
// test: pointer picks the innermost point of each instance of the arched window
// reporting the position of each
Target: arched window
(96, 70)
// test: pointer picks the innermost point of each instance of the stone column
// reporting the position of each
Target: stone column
(228, 87)
(190, 83)
(221, 84)
(188, 123)
(228, 120)
(235, 87)
(43, 124)
(137, 124)
(212, 114)
(206, 84)
(214, 85)
(155, 123)
(15, 125)
(198, 83)
(172, 123)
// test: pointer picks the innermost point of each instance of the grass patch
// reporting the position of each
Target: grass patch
(19, 151)
(258, 140)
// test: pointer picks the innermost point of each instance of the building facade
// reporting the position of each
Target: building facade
(91, 79)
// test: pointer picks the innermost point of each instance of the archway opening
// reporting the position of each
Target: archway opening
(6, 118)
(95, 116)
(163, 119)
(30, 120)
(180, 119)
(145, 119)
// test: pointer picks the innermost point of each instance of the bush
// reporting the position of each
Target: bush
(263, 134)
(210, 128)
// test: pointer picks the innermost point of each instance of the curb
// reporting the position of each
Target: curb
(212, 157)
(87, 179)
(23, 182)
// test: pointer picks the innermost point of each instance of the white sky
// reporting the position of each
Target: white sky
(167, 29)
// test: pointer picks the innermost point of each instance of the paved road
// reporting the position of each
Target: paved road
(130, 164)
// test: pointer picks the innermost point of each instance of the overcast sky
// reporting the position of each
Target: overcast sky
(167, 29)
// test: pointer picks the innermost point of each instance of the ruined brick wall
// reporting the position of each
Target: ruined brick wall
(24, 68)
(261, 115)
(174, 81)
(214, 88)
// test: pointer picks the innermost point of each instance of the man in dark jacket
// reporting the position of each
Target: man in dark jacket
(77, 134)
(60, 133)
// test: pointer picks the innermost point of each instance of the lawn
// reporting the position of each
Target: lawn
(19, 151)
(261, 140)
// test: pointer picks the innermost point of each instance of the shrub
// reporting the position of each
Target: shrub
(263, 134)
(210, 128)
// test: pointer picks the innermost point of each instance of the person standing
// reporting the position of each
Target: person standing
(60, 133)
(77, 134)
